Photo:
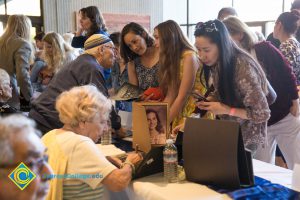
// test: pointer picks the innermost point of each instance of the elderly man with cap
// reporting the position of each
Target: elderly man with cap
(19, 142)
(86, 69)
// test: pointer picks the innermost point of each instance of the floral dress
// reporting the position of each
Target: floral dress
(251, 97)
(291, 51)
(147, 77)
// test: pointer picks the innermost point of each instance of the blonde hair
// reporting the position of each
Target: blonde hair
(59, 48)
(18, 26)
(235, 26)
(81, 104)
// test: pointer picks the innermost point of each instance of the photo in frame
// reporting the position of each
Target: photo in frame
(150, 124)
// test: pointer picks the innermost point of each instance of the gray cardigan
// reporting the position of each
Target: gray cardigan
(15, 60)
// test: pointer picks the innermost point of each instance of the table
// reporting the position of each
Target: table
(273, 173)
(154, 188)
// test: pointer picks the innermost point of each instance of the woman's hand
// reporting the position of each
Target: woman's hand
(114, 160)
(294, 109)
(216, 108)
(147, 98)
(121, 133)
(176, 129)
(134, 158)
(119, 179)
(79, 30)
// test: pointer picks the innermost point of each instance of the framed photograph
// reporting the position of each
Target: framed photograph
(150, 123)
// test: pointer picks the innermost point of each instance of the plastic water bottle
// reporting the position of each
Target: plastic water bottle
(106, 137)
(170, 162)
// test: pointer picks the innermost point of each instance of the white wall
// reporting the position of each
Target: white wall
(59, 14)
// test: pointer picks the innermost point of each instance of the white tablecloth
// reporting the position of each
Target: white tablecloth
(273, 173)
(154, 188)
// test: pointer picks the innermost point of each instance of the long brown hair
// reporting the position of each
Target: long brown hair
(98, 23)
(172, 44)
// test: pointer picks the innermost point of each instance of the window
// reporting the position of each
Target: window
(1, 28)
(259, 14)
(258, 10)
(2, 7)
(30, 8)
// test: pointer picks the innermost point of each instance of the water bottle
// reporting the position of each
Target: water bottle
(106, 137)
(170, 162)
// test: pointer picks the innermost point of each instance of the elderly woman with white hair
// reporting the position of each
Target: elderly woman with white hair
(84, 112)
(20, 144)
(5, 94)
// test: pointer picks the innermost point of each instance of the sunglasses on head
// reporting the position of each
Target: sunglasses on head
(207, 26)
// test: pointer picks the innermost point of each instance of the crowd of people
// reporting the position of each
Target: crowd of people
(63, 87)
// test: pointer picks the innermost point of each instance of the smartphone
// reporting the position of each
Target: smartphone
(199, 97)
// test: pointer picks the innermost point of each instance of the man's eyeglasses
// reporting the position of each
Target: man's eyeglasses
(207, 26)
(36, 165)
(110, 47)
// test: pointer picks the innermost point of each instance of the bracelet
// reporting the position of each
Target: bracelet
(130, 164)
(231, 111)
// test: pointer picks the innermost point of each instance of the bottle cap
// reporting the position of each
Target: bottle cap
(169, 141)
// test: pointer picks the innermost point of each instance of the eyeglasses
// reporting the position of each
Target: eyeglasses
(111, 47)
(207, 26)
(36, 165)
